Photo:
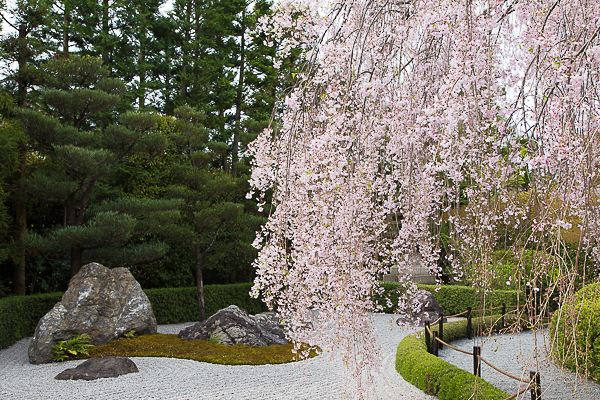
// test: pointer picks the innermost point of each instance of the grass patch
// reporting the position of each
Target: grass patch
(161, 345)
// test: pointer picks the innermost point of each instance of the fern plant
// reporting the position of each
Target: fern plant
(215, 338)
(130, 335)
(77, 344)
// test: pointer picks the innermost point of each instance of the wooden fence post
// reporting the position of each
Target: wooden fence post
(469, 327)
(527, 305)
(435, 344)
(536, 389)
(427, 339)
(476, 361)
(503, 313)
(441, 330)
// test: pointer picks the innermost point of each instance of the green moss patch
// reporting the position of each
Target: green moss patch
(161, 345)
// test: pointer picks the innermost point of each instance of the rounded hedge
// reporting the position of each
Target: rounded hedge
(578, 349)
(438, 377)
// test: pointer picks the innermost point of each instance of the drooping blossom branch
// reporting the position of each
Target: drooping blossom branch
(481, 115)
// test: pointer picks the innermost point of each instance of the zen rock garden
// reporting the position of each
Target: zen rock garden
(108, 303)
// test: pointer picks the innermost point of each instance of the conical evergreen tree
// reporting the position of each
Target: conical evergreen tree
(210, 210)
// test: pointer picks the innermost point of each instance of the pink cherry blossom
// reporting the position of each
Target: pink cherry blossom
(397, 105)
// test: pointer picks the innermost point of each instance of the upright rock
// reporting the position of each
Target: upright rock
(423, 308)
(232, 325)
(101, 302)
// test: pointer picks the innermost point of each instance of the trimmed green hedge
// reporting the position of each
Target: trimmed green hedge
(453, 299)
(435, 376)
(19, 315)
(175, 305)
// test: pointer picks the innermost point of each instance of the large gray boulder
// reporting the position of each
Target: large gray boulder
(95, 368)
(104, 303)
(233, 325)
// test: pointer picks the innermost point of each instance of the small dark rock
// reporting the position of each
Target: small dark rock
(95, 368)
(232, 325)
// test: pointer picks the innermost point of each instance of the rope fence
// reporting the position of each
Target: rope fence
(434, 341)
(520, 392)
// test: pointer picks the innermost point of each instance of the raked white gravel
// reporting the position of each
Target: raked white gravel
(169, 378)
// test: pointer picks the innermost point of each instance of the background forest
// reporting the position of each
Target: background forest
(123, 133)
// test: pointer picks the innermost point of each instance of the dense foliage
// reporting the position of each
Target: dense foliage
(578, 350)
(90, 167)
(453, 299)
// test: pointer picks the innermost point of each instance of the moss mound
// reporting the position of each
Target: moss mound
(161, 345)
(578, 349)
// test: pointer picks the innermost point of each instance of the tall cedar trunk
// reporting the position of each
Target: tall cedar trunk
(196, 38)
(167, 109)
(238, 100)
(142, 99)
(224, 161)
(21, 225)
(185, 57)
(142, 66)
(65, 38)
(20, 199)
(76, 256)
(200, 285)
(105, 32)
(22, 62)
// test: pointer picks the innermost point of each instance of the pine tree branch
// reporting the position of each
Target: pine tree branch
(8, 22)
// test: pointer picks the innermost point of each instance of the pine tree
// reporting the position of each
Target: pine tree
(210, 209)
(24, 49)
(9, 156)
(82, 153)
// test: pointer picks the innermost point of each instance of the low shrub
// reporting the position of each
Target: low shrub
(438, 377)
(19, 315)
(575, 332)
